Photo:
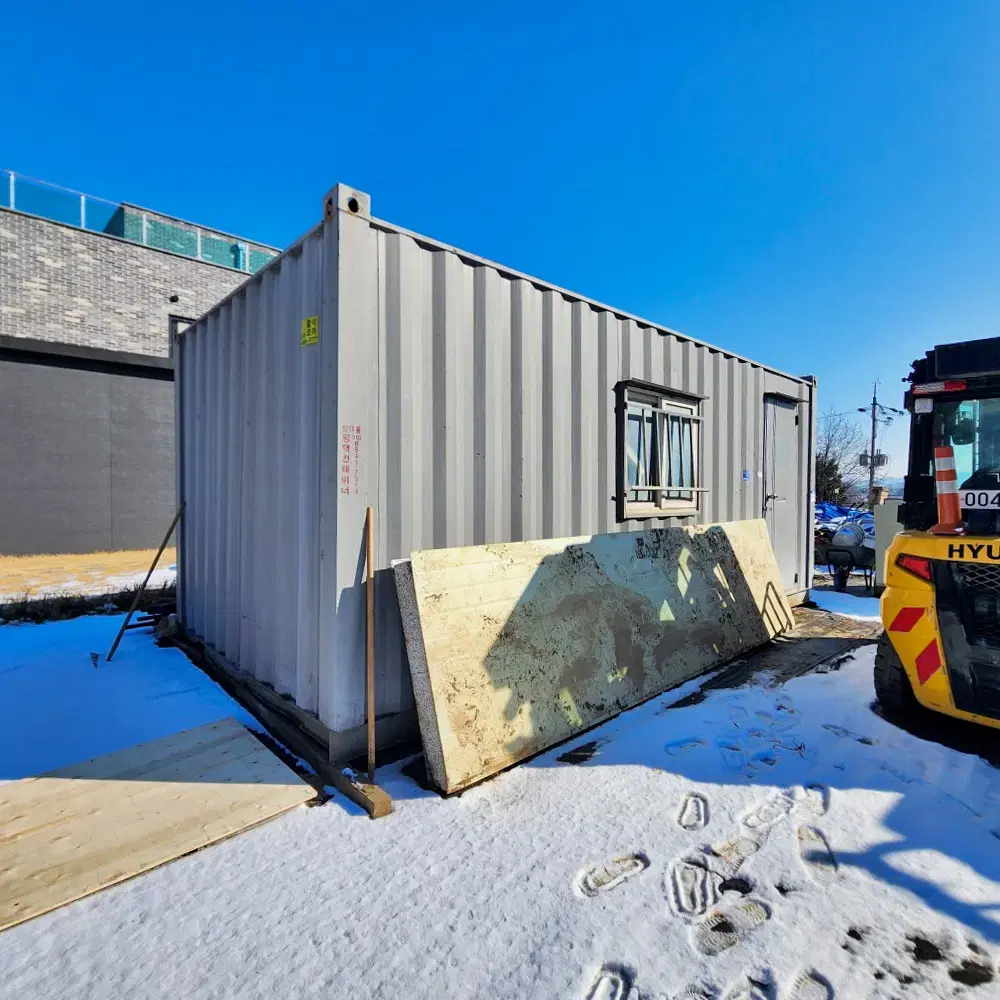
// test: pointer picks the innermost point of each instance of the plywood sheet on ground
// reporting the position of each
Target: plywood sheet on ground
(68, 833)
(516, 646)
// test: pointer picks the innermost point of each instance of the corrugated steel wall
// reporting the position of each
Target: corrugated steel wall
(497, 412)
(485, 403)
(248, 443)
(509, 389)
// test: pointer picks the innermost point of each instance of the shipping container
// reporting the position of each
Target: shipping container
(467, 403)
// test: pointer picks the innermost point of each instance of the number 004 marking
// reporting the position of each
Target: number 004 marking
(980, 499)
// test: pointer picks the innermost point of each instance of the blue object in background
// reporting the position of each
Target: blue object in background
(832, 515)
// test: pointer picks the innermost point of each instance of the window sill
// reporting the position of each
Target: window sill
(658, 513)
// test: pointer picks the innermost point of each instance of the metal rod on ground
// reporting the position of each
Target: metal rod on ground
(142, 589)
(370, 588)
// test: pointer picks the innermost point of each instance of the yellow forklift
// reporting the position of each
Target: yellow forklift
(941, 605)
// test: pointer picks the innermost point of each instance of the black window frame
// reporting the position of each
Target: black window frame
(634, 502)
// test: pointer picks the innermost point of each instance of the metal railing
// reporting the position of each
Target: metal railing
(130, 222)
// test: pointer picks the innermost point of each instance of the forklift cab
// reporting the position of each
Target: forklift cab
(954, 401)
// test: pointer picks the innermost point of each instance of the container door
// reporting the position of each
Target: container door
(781, 480)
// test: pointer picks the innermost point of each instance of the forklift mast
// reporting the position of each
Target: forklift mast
(939, 382)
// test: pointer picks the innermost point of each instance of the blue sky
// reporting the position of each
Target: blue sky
(811, 184)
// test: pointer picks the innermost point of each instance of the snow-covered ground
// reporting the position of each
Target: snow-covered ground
(782, 832)
(864, 608)
(58, 707)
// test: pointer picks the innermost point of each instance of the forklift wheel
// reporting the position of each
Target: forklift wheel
(892, 686)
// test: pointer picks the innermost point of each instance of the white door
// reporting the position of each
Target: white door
(781, 480)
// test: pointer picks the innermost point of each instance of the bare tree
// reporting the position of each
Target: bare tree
(839, 442)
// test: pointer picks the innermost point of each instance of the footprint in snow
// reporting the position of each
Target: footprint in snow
(786, 715)
(992, 792)
(786, 722)
(733, 756)
(677, 747)
(810, 985)
(694, 993)
(745, 990)
(736, 758)
(905, 774)
(693, 887)
(695, 884)
(769, 812)
(612, 983)
(693, 813)
(730, 855)
(611, 874)
(816, 798)
(840, 731)
(816, 856)
(728, 925)
(739, 716)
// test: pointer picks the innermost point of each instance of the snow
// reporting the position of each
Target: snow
(863, 608)
(58, 708)
(74, 585)
(529, 884)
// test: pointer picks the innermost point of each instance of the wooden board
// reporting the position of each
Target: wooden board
(70, 832)
(514, 647)
(301, 732)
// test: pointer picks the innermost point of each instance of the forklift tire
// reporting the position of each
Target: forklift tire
(892, 686)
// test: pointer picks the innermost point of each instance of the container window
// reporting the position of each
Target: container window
(658, 444)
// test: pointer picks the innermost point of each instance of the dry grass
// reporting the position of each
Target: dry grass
(33, 577)
(59, 606)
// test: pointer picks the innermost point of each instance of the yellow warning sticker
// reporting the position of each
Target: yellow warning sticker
(310, 330)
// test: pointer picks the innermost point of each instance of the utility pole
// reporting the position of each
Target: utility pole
(871, 453)
(879, 414)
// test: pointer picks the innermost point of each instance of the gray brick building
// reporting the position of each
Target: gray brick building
(71, 286)
(89, 292)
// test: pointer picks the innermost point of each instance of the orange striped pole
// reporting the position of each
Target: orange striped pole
(948, 504)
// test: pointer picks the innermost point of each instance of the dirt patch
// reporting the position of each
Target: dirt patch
(580, 754)
(695, 698)
(816, 623)
(92, 573)
(924, 950)
(740, 885)
(972, 972)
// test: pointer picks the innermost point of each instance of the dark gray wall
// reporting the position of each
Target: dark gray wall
(86, 458)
